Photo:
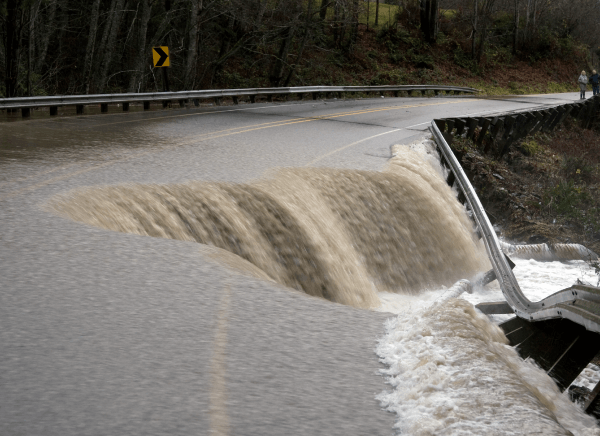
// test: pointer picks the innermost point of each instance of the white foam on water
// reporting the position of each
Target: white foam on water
(537, 280)
(452, 371)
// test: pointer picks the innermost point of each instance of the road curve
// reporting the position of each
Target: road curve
(109, 333)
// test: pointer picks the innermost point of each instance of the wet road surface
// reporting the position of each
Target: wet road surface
(110, 333)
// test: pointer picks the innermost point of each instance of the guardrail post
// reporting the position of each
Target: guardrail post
(103, 108)
(181, 103)
(79, 109)
(460, 126)
(300, 96)
(252, 98)
(235, 99)
(576, 110)
(396, 93)
(472, 124)
(217, 101)
(550, 114)
(592, 112)
(527, 124)
(126, 107)
(269, 98)
(196, 102)
(559, 117)
(315, 95)
(165, 103)
(53, 110)
(538, 124)
(25, 112)
(484, 128)
(146, 105)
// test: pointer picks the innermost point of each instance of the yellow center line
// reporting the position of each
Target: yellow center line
(214, 135)
(219, 418)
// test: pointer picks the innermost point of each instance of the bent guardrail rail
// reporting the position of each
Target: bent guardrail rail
(579, 303)
(27, 103)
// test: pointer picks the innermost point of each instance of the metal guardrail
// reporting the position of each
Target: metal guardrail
(580, 304)
(146, 98)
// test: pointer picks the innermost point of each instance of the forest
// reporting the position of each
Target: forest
(50, 47)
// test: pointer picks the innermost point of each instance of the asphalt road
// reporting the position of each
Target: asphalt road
(104, 333)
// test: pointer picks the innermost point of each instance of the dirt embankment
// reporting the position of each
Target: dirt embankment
(545, 189)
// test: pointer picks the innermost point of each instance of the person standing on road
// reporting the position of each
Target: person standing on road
(583, 80)
(595, 83)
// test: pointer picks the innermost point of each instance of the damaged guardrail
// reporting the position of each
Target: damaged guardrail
(80, 101)
(579, 303)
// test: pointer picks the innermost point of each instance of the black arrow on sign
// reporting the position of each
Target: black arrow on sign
(162, 54)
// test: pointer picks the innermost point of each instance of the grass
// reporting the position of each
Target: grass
(516, 88)
(387, 14)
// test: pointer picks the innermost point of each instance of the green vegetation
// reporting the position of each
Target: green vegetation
(387, 15)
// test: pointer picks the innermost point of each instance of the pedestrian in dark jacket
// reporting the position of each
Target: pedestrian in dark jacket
(595, 82)
(583, 81)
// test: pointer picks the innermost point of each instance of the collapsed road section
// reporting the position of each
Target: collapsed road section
(561, 332)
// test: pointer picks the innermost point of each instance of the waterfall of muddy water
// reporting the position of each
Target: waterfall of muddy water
(345, 235)
(338, 234)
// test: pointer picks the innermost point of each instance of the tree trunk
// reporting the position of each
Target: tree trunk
(45, 36)
(482, 40)
(302, 45)
(323, 10)
(89, 52)
(140, 56)
(277, 71)
(516, 34)
(377, 13)
(30, 43)
(355, 22)
(190, 68)
(429, 20)
(113, 25)
(97, 64)
(63, 25)
(157, 39)
(474, 36)
(13, 45)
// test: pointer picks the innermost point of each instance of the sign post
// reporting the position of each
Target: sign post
(160, 59)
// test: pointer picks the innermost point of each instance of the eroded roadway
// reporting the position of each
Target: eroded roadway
(104, 333)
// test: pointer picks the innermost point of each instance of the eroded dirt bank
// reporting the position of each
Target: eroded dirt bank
(545, 189)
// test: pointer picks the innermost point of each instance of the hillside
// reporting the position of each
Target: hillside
(77, 47)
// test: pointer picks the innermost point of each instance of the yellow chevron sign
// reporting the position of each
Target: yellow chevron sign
(160, 56)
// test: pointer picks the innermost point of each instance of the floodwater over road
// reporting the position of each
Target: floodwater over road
(159, 276)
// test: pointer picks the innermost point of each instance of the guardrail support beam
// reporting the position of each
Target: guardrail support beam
(181, 103)
(217, 101)
(126, 107)
(235, 99)
(79, 109)
(252, 98)
(25, 112)
(103, 108)
(146, 105)
(53, 110)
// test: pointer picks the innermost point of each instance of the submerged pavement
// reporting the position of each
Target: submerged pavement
(112, 333)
